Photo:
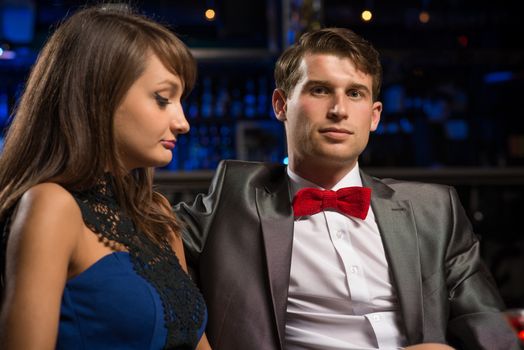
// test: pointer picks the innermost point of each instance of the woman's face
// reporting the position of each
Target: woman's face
(150, 118)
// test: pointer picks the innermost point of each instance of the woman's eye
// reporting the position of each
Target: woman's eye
(161, 100)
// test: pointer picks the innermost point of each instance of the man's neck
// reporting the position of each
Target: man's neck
(325, 176)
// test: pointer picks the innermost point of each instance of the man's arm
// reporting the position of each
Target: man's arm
(475, 318)
(198, 217)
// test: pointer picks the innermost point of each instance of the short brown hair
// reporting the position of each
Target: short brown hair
(337, 41)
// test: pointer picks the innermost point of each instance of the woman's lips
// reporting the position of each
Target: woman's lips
(168, 144)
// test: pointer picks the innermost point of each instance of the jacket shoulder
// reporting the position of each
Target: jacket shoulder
(417, 190)
(256, 173)
(242, 165)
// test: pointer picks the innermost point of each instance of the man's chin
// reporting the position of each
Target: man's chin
(334, 160)
(334, 156)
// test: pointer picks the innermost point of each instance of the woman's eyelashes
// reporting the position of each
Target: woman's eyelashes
(161, 100)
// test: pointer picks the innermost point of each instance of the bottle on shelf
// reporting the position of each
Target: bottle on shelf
(207, 98)
(250, 100)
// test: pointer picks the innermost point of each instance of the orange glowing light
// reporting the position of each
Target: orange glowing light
(423, 17)
(210, 14)
(366, 15)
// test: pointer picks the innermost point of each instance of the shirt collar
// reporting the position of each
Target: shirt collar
(352, 178)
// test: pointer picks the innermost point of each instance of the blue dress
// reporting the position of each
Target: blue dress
(109, 306)
(138, 299)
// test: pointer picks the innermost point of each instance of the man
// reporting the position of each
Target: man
(277, 275)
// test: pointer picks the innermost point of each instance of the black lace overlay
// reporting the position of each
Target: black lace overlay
(184, 306)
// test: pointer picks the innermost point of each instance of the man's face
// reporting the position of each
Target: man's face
(329, 114)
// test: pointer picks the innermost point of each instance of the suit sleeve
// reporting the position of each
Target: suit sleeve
(475, 318)
(198, 217)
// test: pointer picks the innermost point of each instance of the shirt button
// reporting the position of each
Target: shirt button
(340, 234)
(354, 269)
(376, 318)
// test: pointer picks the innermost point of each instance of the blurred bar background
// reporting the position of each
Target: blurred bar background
(453, 74)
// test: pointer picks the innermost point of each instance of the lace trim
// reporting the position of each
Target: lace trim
(184, 306)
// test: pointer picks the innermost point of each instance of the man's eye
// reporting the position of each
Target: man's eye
(354, 93)
(160, 100)
(319, 90)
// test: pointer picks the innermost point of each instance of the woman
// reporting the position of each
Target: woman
(93, 256)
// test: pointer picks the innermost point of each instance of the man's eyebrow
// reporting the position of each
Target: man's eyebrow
(357, 86)
(319, 82)
(353, 86)
(311, 83)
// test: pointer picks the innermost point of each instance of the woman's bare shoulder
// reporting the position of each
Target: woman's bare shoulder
(49, 211)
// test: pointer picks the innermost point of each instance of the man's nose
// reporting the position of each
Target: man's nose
(338, 108)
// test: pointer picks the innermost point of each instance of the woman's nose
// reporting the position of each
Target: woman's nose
(179, 123)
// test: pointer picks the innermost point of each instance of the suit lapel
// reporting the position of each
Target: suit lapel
(398, 231)
(399, 236)
(274, 209)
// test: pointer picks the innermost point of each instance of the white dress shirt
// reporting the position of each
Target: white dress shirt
(340, 290)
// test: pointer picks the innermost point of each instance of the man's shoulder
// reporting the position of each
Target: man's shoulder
(409, 189)
(251, 169)
(244, 165)
(410, 184)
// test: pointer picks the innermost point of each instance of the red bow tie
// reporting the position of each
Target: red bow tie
(353, 201)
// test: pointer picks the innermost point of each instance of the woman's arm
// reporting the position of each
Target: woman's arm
(43, 236)
(203, 344)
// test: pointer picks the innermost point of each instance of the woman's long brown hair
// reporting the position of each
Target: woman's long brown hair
(62, 130)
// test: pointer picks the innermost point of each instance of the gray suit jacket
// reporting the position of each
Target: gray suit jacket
(239, 237)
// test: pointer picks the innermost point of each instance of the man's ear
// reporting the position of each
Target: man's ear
(279, 104)
(375, 115)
